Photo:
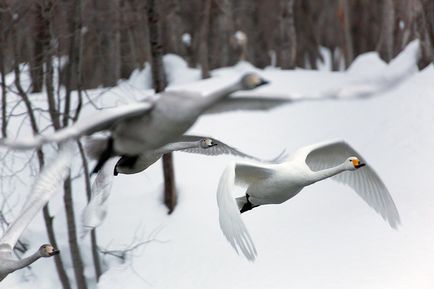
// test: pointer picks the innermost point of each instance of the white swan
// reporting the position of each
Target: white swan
(277, 183)
(46, 185)
(144, 126)
(96, 210)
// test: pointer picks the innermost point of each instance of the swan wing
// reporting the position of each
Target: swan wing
(47, 183)
(96, 210)
(220, 148)
(248, 103)
(230, 220)
(365, 181)
(102, 120)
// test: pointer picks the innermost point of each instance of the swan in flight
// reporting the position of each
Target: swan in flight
(46, 185)
(277, 183)
(96, 210)
(187, 143)
(143, 126)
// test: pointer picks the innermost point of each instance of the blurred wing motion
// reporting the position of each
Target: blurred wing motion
(47, 183)
(102, 120)
(248, 103)
(395, 73)
(230, 220)
(96, 210)
(220, 148)
(364, 181)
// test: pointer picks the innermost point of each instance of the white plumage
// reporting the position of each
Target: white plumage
(277, 183)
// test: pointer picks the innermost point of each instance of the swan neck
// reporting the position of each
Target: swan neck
(327, 173)
(27, 261)
(216, 96)
(177, 146)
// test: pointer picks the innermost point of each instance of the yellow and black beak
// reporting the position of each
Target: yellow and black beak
(357, 164)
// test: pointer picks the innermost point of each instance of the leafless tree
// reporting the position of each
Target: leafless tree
(203, 38)
(159, 83)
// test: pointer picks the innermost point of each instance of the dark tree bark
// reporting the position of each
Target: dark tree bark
(348, 37)
(159, 83)
(74, 60)
(3, 7)
(203, 38)
(386, 41)
(108, 40)
(72, 235)
(288, 36)
(222, 34)
(37, 63)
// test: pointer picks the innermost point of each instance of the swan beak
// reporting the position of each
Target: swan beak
(263, 82)
(359, 165)
(55, 252)
(213, 145)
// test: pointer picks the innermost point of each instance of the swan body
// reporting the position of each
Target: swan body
(45, 186)
(276, 183)
(136, 128)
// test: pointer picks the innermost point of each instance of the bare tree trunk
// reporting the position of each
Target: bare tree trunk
(74, 58)
(159, 81)
(222, 35)
(348, 37)
(203, 38)
(386, 41)
(72, 235)
(37, 62)
(3, 6)
(288, 36)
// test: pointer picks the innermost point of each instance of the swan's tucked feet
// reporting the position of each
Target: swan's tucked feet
(248, 205)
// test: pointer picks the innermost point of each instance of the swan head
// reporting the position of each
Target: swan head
(252, 80)
(47, 250)
(354, 163)
(207, 143)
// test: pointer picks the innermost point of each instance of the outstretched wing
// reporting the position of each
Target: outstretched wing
(46, 185)
(99, 121)
(364, 181)
(220, 148)
(230, 220)
(248, 103)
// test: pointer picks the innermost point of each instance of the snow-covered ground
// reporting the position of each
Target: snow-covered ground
(325, 237)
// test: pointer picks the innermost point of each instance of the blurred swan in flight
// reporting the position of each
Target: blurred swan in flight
(187, 143)
(46, 185)
(95, 212)
(143, 126)
(277, 183)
